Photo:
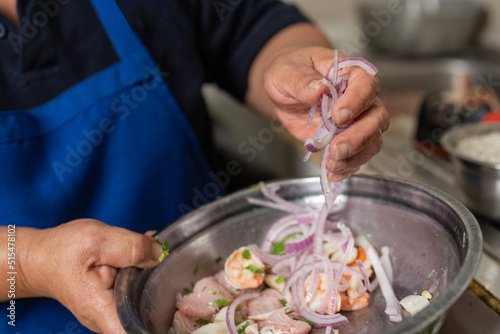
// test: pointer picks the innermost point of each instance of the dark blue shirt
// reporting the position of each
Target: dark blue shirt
(61, 42)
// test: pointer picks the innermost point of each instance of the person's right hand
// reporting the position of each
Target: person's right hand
(76, 263)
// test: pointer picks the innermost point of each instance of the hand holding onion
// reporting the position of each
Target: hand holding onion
(293, 65)
(294, 84)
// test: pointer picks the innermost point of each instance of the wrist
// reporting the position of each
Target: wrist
(31, 262)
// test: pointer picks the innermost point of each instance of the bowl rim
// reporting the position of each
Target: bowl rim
(449, 137)
(425, 318)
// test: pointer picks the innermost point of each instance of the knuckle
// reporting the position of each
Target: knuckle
(139, 249)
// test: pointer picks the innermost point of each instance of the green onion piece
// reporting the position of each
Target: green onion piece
(279, 248)
(201, 321)
(217, 260)
(242, 329)
(283, 302)
(254, 269)
(280, 279)
(246, 254)
(221, 302)
(165, 248)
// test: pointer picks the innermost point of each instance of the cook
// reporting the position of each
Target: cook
(104, 133)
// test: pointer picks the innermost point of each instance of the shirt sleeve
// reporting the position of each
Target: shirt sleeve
(231, 33)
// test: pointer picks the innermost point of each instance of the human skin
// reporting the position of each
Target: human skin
(284, 80)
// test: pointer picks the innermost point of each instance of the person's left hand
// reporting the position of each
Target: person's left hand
(293, 82)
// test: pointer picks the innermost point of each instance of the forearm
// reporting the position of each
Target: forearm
(14, 251)
(293, 37)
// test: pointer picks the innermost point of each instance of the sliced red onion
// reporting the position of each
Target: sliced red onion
(294, 246)
(360, 62)
(312, 286)
(334, 71)
(363, 273)
(314, 146)
(326, 104)
(325, 185)
(231, 326)
(270, 193)
(279, 267)
(393, 309)
(386, 263)
(329, 279)
(312, 112)
(271, 205)
(328, 84)
(319, 319)
(319, 229)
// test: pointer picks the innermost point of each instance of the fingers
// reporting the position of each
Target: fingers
(358, 143)
(119, 247)
(294, 78)
(360, 94)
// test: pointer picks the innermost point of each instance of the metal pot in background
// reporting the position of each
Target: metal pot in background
(479, 181)
(422, 27)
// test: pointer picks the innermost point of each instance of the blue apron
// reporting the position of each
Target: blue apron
(116, 147)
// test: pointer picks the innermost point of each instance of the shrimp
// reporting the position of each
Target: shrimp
(361, 255)
(354, 304)
(315, 301)
(356, 287)
(244, 270)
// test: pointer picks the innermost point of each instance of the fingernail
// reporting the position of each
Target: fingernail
(314, 84)
(338, 166)
(157, 251)
(335, 177)
(342, 116)
(342, 151)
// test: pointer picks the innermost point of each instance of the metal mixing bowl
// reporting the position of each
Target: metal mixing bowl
(479, 181)
(436, 245)
(421, 28)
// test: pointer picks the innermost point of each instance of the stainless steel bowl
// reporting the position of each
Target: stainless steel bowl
(479, 181)
(436, 245)
(421, 28)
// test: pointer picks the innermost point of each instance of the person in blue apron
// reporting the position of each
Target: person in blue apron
(104, 135)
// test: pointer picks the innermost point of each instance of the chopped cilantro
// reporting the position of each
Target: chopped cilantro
(211, 292)
(268, 270)
(283, 302)
(165, 249)
(201, 321)
(255, 186)
(238, 307)
(196, 269)
(310, 323)
(192, 284)
(280, 279)
(186, 290)
(254, 269)
(279, 248)
(217, 260)
(221, 302)
(463, 242)
(246, 254)
(243, 327)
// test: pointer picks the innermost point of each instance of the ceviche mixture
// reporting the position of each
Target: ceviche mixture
(308, 269)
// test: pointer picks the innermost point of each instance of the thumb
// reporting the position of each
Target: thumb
(123, 248)
(309, 87)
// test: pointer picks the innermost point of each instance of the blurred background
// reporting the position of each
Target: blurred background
(434, 58)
